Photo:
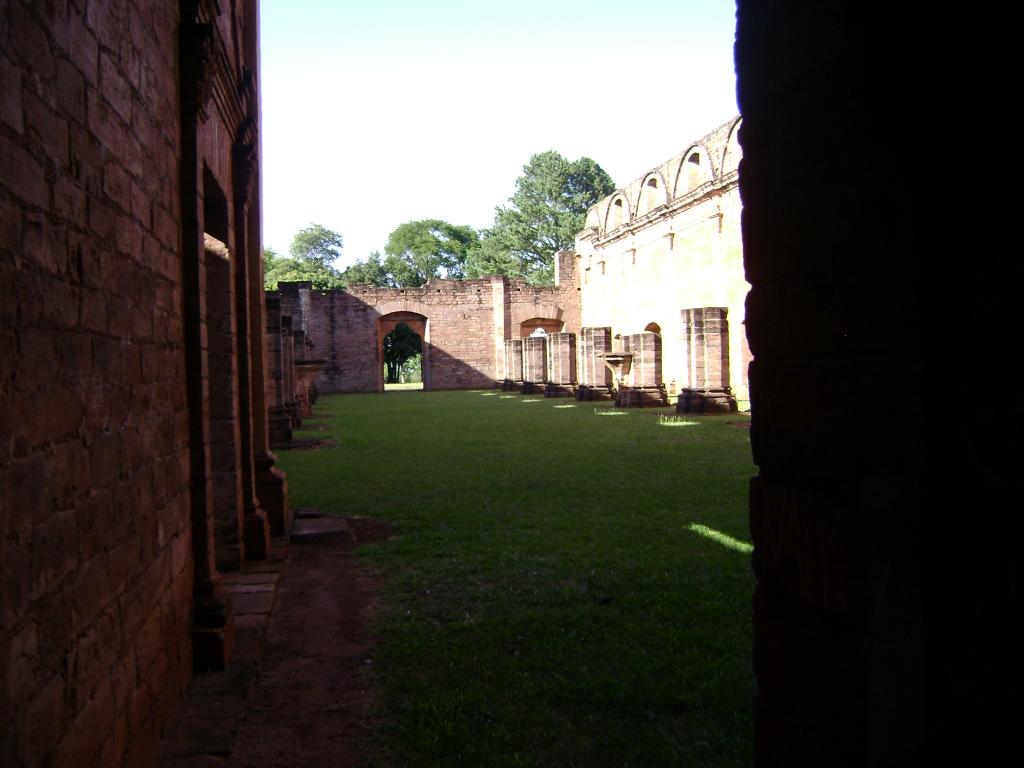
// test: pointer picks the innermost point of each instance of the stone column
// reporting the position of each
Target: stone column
(595, 380)
(248, 254)
(645, 386)
(513, 364)
(278, 421)
(535, 363)
(706, 380)
(561, 365)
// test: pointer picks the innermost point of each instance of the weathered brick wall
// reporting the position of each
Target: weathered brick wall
(678, 247)
(95, 566)
(465, 331)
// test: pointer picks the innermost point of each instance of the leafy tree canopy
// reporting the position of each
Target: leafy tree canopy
(547, 210)
(313, 253)
(277, 268)
(317, 245)
(400, 345)
(371, 271)
(420, 250)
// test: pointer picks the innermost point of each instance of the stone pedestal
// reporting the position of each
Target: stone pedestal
(513, 363)
(305, 385)
(706, 401)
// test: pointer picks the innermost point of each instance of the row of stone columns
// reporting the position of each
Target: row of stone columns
(626, 368)
(594, 369)
(291, 376)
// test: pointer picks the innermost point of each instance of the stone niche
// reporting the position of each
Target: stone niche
(513, 365)
(535, 363)
(706, 386)
(595, 379)
(561, 380)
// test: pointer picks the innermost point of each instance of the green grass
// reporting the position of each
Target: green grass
(565, 589)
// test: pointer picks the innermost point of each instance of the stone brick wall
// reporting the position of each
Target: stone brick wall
(115, 342)
(95, 567)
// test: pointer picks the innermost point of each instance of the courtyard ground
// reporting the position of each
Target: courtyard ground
(562, 584)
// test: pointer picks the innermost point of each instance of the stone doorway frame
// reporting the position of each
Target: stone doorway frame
(420, 324)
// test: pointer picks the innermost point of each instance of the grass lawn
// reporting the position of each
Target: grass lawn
(570, 584)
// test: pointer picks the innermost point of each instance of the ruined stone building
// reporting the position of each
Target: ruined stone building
(463, 324)
(133, 432)
(664, 255)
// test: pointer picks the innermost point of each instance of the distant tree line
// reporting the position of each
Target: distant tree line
(544, 215)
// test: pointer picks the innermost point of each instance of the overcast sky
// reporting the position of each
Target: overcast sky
(385, 111)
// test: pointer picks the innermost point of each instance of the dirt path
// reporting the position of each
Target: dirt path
(314, 700)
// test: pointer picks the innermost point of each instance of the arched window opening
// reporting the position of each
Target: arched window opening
(693, 172)
(651, 196)
(618, 215)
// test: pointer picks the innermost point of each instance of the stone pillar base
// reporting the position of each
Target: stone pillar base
(279, 425)
(706, 401)
(510, 385)
(559, 390)
(257, 534)
(272, 491)
(642, 397)
(213, 633)
(587, 392)
(531, 388)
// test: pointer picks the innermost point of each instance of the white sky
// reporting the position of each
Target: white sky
(385, 111)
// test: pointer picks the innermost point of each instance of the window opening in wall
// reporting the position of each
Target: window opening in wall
(652, 328)
(651, 192)
(693, 172)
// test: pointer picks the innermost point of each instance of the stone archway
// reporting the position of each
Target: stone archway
(548, 324)
(419, 324)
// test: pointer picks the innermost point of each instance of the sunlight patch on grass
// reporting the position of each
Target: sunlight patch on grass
(606, 412)
(568, 405)
(507, 397)
(724, 539)
(534, 400)
(488, 394)
(675, 421)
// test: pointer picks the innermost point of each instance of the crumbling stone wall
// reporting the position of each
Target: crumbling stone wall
(669, 241)
(108, 137)
(467, 324)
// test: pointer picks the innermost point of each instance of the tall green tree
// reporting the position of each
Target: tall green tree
(400, 345)
(313, 253)
(369, 271)
(420, 250)
(317, 245)
(545, 214)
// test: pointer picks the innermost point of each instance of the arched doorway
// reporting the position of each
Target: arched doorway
(548, 324)
(419, 325)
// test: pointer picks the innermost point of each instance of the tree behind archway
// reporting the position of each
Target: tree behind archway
(400, 344)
